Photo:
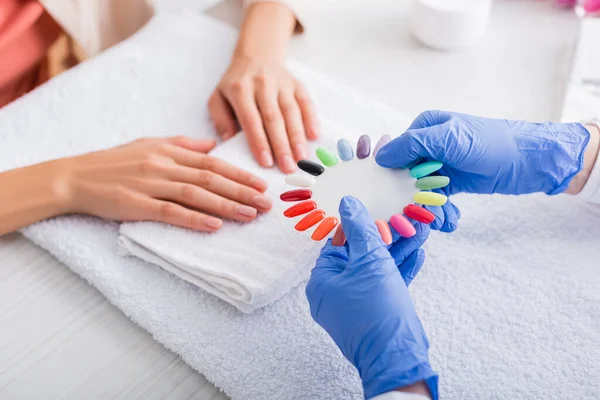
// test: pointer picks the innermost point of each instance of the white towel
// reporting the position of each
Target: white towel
(240, 264)
(510, 302)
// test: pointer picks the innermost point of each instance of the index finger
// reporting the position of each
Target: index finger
(202, 161)
(246, 111)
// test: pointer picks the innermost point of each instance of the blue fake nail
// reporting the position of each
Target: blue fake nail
(345, 150)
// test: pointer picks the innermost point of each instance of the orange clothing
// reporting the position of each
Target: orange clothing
(26, 34)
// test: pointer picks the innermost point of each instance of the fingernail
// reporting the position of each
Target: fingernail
(213, 223)
(338, 237)
(300, 151)
(288, 164)
(246, 211)
(262, 201)
(266, 160)
(259, 184)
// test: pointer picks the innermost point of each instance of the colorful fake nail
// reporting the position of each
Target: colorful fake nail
(363, 149)
(296, 195)
(311, 167)
(345, 150)
(384, 231)
(300, 208)
(326, 157)
(432, 182)
(430, 198)
(310, 220)
(314, 217)
(425, 168)
(300, 180)
(402, 226)
(385, 139)
(324, 228)
(419, 214)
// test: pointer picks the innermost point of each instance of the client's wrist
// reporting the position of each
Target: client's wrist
(589, 160)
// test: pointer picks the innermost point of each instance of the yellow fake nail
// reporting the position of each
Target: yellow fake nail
(430, 198)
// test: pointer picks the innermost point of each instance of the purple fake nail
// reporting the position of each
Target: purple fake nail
(385, 139)
(363, 149)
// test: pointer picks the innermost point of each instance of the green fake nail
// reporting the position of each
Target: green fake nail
(432, 182)
(327, 157)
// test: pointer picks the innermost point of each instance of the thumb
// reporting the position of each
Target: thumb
(425, 139)
(362, 235)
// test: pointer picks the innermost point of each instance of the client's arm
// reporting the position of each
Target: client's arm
(170, 180)
(258, 94)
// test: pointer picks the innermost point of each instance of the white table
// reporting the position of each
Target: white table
(60, 339)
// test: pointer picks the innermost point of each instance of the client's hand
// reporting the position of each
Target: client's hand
(271, 107)
(170, 180)
(358, 293)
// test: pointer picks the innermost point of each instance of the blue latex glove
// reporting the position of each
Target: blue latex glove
(358, 293)
(483, 155)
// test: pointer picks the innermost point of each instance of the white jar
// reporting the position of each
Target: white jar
(450, 24)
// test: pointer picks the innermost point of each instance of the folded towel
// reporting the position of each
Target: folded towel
(510, 302)
(242, 263)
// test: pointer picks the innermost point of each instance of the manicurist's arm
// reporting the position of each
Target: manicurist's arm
(259, 96)
(170, 180)
(358, 293)
(487, 156)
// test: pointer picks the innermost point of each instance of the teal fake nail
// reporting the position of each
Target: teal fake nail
(426, 168)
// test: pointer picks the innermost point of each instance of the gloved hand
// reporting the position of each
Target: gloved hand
(358, 294)
(483, 155)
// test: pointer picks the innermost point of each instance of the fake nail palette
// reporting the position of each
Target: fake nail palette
(388, 194)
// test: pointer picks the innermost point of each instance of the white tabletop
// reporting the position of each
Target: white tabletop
(60, 339)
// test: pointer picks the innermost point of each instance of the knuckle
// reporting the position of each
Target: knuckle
(244, 194)
(167, 211)
(269, 115)
(261, 79)
(208, 163)
(287, 107)
(297, 135)
(237, 87)
(177, 139)
(303, 100)
(195, 219)
(205, 178)
(188, 193)
(226, 207)
(149, 166)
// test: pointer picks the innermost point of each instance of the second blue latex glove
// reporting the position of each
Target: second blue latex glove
(483, 155)
(358, 293)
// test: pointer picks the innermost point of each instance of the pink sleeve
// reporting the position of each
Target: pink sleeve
(298, 7)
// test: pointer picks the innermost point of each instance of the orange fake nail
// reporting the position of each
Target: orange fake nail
(324, 228)
(384, 231)
(310, 220)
